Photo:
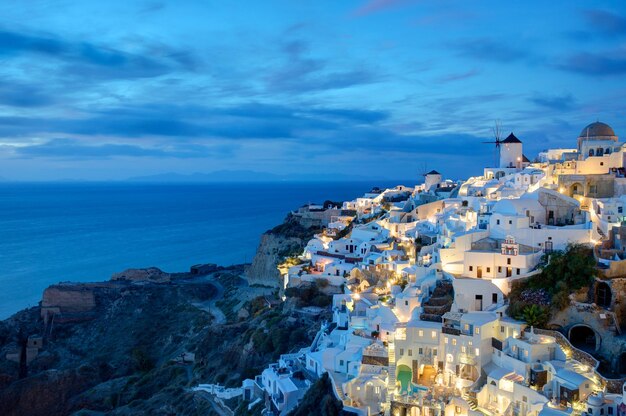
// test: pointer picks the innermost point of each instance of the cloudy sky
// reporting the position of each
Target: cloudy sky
(374, 88)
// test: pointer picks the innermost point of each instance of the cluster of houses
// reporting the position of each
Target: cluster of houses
(421, 277)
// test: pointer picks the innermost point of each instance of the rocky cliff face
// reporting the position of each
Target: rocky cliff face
(287, 239)
(270, 253)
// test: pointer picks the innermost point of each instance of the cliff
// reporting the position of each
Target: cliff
(284, 240)
(145, 344)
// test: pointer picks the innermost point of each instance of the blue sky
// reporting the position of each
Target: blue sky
(375, 88)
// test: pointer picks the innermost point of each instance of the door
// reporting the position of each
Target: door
(509, 272)
(478, 304)
(479, 272)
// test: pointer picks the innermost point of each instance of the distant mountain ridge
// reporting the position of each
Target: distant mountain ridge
(245, 176)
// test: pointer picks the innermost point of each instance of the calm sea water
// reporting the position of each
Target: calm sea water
(86, 232)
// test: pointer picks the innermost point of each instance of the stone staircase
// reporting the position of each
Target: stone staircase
(391, 380)
(470, 399)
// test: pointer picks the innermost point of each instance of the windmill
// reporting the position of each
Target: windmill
(497, 134)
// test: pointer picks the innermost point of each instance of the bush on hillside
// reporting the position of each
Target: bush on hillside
(319, 400)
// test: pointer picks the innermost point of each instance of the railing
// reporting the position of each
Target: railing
(613, 385)
(450, 331)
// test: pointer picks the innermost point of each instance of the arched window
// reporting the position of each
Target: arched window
(607, 150)
(599, 151)
(590, 152)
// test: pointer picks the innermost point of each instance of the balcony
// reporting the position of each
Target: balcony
(450, 331)
(467, 359)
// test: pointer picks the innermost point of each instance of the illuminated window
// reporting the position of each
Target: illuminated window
(433, 334)
(445, 340)
(453, 341)
(477, 351)
(421, 333)
(477, 330)
(463, 349)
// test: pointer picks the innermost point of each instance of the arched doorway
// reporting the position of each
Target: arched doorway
(603, 295)
(576, 189)
(584, 338)
(404, 377)
(469, 372)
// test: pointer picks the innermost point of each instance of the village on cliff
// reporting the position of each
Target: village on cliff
(499, 295)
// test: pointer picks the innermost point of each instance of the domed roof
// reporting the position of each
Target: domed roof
(597, 129)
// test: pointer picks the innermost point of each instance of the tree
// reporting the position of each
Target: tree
(535, 315)
(575, 267)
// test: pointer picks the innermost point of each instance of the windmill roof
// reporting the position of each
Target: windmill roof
(433, 172)
(511, 139)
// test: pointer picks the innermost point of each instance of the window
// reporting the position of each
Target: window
(435, 351)
(410, 352)
(501, 329)
(498, 222)
(406, 303)
(341, 362)
(610, 409)
(477, 331)
(421, 333)
(420, 351)
(453, 341)
(477, 352)
(401, 351)
(433, 334)
(445, 340)
(517, 271)
(510, 222)
(463, 349)
(494, 298)
(488, 269)
(508, 261)
(499, 269)
(471, 268)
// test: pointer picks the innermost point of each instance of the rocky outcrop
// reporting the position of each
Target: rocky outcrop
(150, 274)
(68, 302)
(272, 250)
(284, 240)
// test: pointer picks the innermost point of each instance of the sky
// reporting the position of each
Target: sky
(107, 90)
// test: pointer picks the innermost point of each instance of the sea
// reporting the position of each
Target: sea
(56, 232)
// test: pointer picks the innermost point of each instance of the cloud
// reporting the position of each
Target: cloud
(555, 102)
(608, 23)
(238, 122)
(88, 59)
(596, 63)
(18, 94)
(459, 76)
(300, 72)
(74, 149)
(489, 49)
(375, 6)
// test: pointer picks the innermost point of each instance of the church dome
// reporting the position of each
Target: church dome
(597, 130)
